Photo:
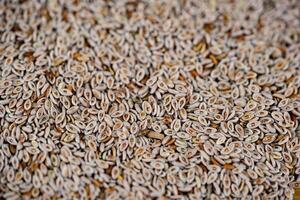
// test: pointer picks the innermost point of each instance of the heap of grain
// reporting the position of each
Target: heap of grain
(168, 99)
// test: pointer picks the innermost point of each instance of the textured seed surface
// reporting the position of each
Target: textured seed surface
(154, 99)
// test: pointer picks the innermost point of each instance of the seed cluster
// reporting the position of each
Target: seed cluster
(156, 99)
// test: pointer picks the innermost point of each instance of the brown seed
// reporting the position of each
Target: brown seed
(155, 135)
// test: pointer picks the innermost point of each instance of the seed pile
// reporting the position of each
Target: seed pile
(163, 99)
